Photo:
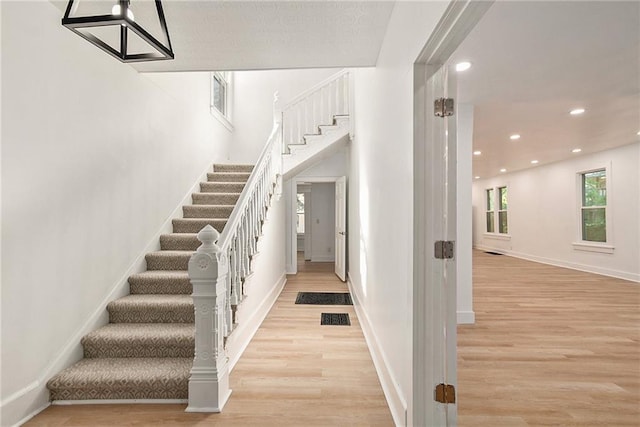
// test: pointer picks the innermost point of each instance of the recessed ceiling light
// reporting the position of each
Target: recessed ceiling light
(577, 111)
(503, 170)
(576, 150)
(534, 162)
(638, 133)
(477, 153)
(477, 177)
(463, 66)
(514, 137)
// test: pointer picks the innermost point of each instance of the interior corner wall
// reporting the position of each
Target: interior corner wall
(253, 104)
(543, 217)
(95, 157)
(380, 206)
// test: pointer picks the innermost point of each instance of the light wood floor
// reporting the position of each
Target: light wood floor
(550, 346)
(294, 372)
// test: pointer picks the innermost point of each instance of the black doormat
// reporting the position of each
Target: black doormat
(338, 319)
(493, 253)
(324, 298)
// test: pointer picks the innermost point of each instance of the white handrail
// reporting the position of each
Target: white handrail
(241, 205)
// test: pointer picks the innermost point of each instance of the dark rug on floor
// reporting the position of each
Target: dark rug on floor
(324, 298)
(339, 319)
(493, 253)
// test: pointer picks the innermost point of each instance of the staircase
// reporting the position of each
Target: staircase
(315, 124)
(146, 351)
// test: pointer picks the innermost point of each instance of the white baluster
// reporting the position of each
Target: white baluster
(345, 93)
(209, 380)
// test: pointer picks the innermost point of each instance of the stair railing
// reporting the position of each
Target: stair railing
(314, 107)
(218, 271)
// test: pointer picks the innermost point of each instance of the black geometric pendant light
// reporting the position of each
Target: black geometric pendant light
(113, 27)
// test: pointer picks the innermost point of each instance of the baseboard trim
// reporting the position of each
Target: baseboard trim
(243, 334)
(395, 399)
(466, 317)
(119, 402)
(16, 409)
(566, 264)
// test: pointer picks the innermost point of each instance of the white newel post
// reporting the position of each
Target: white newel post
(209, 381)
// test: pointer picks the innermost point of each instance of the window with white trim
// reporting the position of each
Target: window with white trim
(496, 200)
(502, 211)
(300, 213)
(221, 95)
(490, 211)
(593, 209)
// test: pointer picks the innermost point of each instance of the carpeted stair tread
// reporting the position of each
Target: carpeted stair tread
(215, 198)
(160, 282)
(179, 242)
(221, 187)
(194, 225)
(168, 260)
(151, 309)
(123, 378)
(207, 211)
(228, 176)
(232, 168)
(140, 340)
(147, 349)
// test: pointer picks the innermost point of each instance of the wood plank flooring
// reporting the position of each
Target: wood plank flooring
(294, 372)
(550, 346)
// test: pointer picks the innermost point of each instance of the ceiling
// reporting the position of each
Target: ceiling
(250, 35)
(533, 62)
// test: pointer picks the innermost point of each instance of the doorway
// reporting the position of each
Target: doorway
(316, 222)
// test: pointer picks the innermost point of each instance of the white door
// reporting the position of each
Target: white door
(434, 310)
(341, 228)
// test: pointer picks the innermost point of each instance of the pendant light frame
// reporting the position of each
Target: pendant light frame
(126, 24)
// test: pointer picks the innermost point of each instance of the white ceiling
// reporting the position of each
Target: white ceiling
(535, 61)
(241, 35)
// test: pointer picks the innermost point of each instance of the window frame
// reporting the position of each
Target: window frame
(304, 204)
(500, 210)
(497, 205)
(226, 79)
(580, 244)
(490, 208)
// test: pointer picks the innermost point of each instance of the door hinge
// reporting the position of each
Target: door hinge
(443, 107)
(444, 249)
(445, 393)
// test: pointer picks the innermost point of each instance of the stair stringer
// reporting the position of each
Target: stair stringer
(317, 148)
(34, 398)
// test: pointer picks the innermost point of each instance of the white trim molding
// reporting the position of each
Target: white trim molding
(593, 247)
(497, 236)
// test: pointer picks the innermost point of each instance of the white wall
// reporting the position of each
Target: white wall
(380, 228)
(323, 214)
(464, 181)
(95, 157)
(543, 213)
(253, 104)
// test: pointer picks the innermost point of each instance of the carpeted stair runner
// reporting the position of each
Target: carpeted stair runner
(146, 350)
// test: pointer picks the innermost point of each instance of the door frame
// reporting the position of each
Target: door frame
(291, 251)
(457, 22)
